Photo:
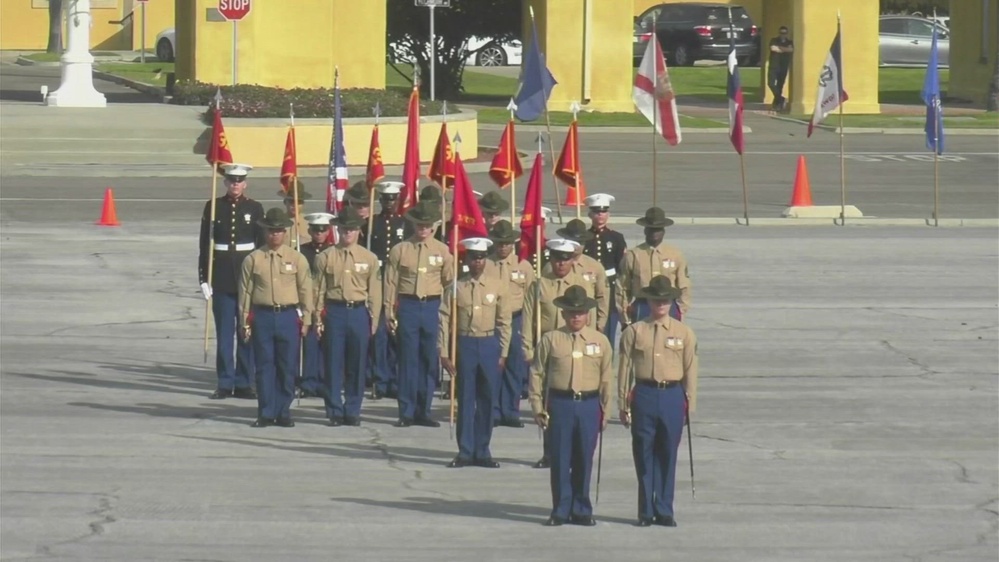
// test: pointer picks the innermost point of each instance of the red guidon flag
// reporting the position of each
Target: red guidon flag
(411, 163)
(568, 170)
(218, 145)
(466, 217)
(376, 170)
(654, 96)
(442, 167)
(532, 221)
(506, 165)
(289, 166)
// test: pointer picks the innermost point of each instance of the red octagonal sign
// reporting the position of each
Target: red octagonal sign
(234, 10)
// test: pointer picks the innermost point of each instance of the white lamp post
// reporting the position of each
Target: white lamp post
(77, 86)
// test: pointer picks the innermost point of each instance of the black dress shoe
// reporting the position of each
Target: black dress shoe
(554, 522)
(523, 395)
(665, 521)
(336, 421)
(446, 395)
(459, 462)
(350, 420)
(643, 522)
(426, 422)
(583, 520)
(261, 422)
(512, 423)
(393, 394)
(377, 395)
(487, 463)
(306, 393)
(220, 394)
(284, 422)
(245, 393)
(543, 462)
(403, 422)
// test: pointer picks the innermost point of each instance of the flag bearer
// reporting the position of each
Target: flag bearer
(387, 231)
(418, 270)
(350, 289)
(663, 353)
(647, 260)
(235, 233)
(483, 338)
(296, 234)
(504, 264)
(607, 247)
(570, 394)
(276, 286)
(312, 363)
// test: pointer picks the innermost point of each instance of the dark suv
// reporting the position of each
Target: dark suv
(692, 31)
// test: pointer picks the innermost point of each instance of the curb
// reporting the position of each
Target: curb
(889, 130)
(598, 129)
(154, 91)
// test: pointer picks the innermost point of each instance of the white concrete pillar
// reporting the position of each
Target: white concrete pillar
(77, 86)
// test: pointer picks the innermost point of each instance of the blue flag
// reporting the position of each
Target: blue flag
(931, 97)
(536, 82)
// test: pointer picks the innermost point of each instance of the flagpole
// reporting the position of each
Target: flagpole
(539, 225)
(745, 191)
(371, 186)
(579, 173)
(443, 166)
(453, 343)
(936, 139)
(211, 227)
(511, 154)
(548, 126)
(293, 185)
(655, 118)
(738, 122)
(842, 157)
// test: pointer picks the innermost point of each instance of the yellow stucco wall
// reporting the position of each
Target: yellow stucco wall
(260, 142)
(970, 72)
(24, 25)
(609, 82)
(814, 26)
(285, 47)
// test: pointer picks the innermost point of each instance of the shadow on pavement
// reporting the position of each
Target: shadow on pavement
(156, 377)
(347, 450)
(22, 83)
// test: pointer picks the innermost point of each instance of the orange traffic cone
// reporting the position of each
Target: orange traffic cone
(802, 194)
(576, 195)
(109, 217)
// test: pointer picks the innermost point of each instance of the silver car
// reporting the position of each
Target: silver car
(906, 40)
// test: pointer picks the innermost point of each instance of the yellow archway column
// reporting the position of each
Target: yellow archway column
(285, 45)
(974, 36)
(775, 14)
(813, 28)
(588, 48)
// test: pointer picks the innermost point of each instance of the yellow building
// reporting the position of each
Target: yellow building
(24, 24)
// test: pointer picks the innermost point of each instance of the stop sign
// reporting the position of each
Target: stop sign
(234, 10)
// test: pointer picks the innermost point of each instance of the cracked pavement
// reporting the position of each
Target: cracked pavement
(848, 411)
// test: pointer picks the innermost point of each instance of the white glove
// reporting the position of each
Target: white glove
(206, 290)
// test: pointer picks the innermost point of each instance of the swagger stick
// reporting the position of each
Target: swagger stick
(690, 455)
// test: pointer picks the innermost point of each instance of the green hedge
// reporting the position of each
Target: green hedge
(261, 101)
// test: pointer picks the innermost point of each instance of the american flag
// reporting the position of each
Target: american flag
(337, 178)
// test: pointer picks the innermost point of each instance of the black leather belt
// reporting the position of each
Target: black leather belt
(517, 313)
(346, 304)
(657, 384)
(421, 299)
(275, 308)
(577, 396)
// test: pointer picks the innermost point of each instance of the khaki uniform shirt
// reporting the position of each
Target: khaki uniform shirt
(564, 362)
(519, 274)
(664, 350)
(349, 273)
(595, 276)
(483, 311)
(275, 278)
(290, 239)
(416, 268)
(641, 264)
(551, 316)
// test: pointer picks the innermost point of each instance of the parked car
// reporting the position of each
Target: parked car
(906, 40)
(689, 32)
(482, 51)
(165, 43)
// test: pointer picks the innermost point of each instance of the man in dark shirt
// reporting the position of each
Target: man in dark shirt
(781, 49)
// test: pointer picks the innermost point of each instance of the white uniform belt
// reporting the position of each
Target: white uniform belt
(238, 247)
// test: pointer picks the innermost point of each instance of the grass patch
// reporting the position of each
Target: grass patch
(902, 85)
(479, 87)
(988, 120)
(563, 118)
(710, 83)
(152, 73)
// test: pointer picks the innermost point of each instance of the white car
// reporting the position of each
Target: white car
(165, 45)
(483, 51)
